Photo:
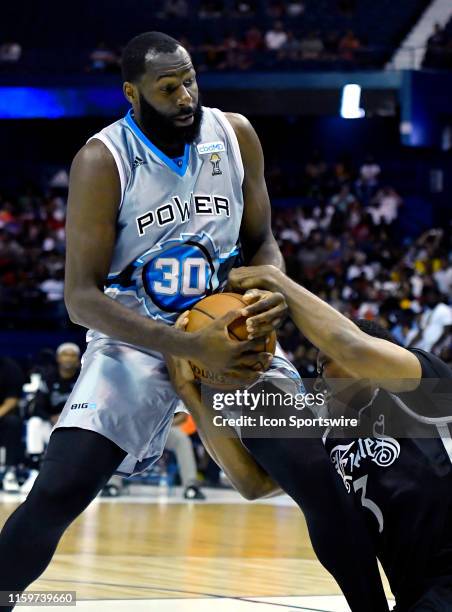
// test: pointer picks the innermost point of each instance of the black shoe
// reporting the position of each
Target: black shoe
(193, 492)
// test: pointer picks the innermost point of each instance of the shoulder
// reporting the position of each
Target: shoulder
(96, 153)
(432, 366)
(250, 146)
(240, 124)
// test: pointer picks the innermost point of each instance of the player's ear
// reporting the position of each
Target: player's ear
(130, 92)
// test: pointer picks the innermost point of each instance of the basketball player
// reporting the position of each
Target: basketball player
(162, 204)
(402, 484)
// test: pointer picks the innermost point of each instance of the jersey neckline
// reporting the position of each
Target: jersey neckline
(172, 165)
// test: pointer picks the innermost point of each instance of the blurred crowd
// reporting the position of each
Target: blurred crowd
(277, 39)
(347, 248)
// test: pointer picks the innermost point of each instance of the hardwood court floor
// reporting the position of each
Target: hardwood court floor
(157, 548)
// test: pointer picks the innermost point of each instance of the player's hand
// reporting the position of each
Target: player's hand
(255, 277)
(265, 312)
(214, 347)
(179, 369)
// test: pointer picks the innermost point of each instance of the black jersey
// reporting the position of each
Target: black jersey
(404, 484)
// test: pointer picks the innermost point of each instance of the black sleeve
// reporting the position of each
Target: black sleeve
(432, 400)
(40, 405)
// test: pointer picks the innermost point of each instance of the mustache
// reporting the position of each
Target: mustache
(187, 111)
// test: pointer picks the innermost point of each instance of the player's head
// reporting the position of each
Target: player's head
(160, 83)
(68, 357)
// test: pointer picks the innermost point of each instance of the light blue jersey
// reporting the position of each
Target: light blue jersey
(179, 220)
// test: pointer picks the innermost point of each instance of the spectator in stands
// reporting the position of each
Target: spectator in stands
(253, 39)
(368, 178)
(55, 387)
(103, 59)
(11, 448)
(276, 37)
(290, 50)
(385, 206)
(349, 45)
(244, 8)
(311, 46)
(174, 9)
(435, 323)
(10, 52)
(342, 200)
(443, 276)
(295, 8)
(179, 442)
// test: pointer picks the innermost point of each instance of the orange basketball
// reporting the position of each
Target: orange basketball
(214, 307)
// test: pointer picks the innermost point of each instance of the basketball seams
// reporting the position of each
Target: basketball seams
(207, 314)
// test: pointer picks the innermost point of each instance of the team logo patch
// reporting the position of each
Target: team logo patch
(215, 160)
(204, 148)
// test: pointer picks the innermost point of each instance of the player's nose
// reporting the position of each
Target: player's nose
(185, 99)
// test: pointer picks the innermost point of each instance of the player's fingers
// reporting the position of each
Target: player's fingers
(261, 331)
(182, 320)
(228, 318)
(247, 346)
(268, 317)
(266, 303)
(252, 295)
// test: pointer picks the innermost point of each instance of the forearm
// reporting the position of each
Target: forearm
(268, 253)
(8, 405)
(326, 328)
(95, 310)
(226, 449)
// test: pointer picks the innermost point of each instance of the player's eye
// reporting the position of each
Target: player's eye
(189, 82)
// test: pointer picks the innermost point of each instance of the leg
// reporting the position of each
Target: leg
(339, 536)
(181, 446)
(76, 466)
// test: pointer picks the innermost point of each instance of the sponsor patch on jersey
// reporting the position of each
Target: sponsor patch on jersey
(210, 147)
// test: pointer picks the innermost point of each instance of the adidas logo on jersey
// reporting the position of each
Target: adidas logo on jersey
(138, 162)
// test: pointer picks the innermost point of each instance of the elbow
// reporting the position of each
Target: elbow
(74, 307)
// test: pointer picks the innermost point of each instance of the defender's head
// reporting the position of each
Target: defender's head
(160, 83)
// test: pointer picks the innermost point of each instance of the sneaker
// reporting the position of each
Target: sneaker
(28, 484)
(193, 492)
(10, 484)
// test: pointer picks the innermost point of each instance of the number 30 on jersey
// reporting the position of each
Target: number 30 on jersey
(178, 277)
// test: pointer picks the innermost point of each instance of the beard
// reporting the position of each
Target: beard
(161, 128)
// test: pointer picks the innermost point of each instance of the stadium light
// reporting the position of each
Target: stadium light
(351, 97)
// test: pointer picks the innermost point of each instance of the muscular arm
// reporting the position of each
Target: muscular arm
(389, 365)
(259, 244)
(94, 194)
